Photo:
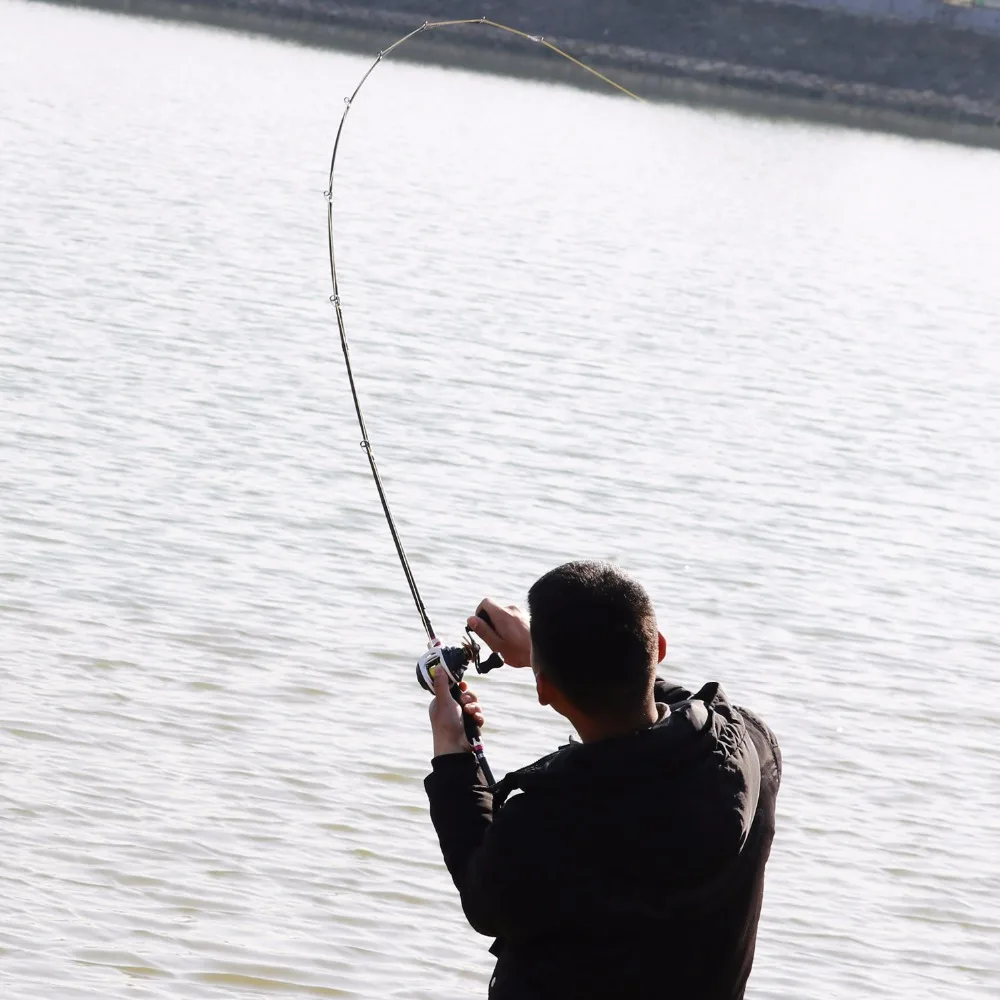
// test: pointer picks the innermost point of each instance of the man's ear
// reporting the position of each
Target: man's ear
(663, 647)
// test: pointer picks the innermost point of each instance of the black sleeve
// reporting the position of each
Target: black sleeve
(494, 865)
(670, 693)
(461, 809)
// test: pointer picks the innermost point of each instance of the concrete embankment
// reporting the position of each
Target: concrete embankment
(879, 64)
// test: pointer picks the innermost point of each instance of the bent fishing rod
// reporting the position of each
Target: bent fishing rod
(454, 660)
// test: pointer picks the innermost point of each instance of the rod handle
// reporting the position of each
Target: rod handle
(472, 732)
(474, 736)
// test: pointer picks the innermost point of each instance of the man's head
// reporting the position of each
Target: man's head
(594, 641)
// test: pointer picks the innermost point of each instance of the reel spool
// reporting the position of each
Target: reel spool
(454, 660)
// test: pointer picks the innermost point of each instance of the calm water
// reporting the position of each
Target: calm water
(756, 363)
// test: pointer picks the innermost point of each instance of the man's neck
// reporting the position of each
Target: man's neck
(592, 730)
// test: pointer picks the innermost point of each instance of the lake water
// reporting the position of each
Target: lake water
(755, 362)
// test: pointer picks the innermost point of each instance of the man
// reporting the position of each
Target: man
(631, 864)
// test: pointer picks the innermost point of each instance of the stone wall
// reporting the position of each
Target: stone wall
(886, 59)
(971, 15)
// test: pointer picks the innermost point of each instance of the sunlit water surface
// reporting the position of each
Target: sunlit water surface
(756, 363)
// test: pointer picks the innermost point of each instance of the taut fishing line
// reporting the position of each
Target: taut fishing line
(453, 660)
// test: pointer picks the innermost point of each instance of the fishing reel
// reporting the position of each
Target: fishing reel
(454, 660)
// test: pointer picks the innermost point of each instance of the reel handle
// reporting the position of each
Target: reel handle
(494, 660)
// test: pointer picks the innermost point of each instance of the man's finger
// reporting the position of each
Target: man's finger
(488, 608)
(485, 632)
(442, 685)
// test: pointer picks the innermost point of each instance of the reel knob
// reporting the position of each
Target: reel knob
(491, 662)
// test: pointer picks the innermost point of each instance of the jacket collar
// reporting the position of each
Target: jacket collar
(685, 733)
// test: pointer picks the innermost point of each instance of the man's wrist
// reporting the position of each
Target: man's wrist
(446, 746)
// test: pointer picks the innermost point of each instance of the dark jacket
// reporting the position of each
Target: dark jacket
(626, 869)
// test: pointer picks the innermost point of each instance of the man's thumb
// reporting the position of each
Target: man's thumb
(441, 683)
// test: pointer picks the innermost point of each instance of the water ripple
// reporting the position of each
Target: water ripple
(753, 361)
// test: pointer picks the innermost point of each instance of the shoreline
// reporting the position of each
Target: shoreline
(656, 76)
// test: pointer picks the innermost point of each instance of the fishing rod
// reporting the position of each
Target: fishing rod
(454, 660)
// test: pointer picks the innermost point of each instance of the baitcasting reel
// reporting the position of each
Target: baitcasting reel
(455, 660)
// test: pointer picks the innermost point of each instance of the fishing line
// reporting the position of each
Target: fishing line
(335, 297)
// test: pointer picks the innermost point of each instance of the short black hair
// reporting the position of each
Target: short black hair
(594, 635)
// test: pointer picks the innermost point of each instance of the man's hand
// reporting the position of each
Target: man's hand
(507, 634)
(446, 716)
